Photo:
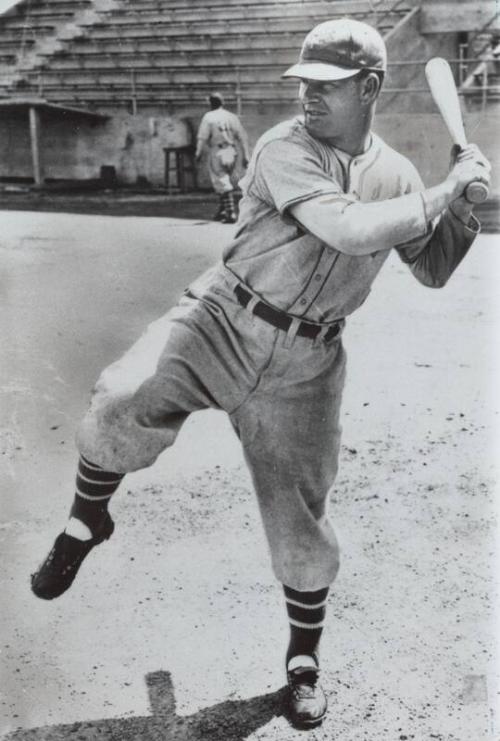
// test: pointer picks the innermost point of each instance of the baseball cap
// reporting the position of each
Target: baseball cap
(217, 96)
(337, 49)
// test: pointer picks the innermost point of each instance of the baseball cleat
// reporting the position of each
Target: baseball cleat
(306, 701)
(57, 572)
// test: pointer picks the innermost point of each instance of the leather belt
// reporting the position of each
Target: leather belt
(282, 320)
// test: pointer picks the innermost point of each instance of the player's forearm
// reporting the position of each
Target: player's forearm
(243, 141)
(433, 261)
(200, 146)
(246, 147)
(363, 228)
(462, 210)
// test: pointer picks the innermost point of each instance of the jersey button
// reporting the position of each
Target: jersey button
(317, 277)
(330, 250)
(303, 301)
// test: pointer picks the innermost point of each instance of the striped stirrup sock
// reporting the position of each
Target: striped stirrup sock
(306, 615)
(95, 484)
(229, 203)
(94, 489)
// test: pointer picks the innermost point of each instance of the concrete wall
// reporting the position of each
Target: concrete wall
(405, 43)
(463, 15)
(75, 149)
(134, 144)
(15, 152)
(425, 141)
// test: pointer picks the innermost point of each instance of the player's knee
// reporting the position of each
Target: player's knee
(117, 437)
(316, 494)
(168, 424)
(317, 507)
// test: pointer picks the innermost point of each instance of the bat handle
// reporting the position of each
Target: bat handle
(476, 192)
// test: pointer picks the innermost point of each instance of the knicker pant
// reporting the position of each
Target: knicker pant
(283, 399)
(221, 166)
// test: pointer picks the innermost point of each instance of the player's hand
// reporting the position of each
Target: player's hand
(468, 164)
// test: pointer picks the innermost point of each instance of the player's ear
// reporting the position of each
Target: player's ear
(369, 86)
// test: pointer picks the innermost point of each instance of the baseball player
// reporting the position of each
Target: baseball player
(324, 202)
(222, 135)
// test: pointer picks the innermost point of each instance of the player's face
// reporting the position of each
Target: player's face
(332, 110)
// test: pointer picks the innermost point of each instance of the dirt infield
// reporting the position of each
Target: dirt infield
(175, 630)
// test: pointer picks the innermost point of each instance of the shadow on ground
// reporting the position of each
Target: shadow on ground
(199, 205)
(126, 202)
(232, 720)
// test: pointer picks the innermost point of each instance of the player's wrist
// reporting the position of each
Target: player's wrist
(452, 188)
(461, 209)
(438, 197)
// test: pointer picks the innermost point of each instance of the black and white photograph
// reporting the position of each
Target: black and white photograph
(250, 399)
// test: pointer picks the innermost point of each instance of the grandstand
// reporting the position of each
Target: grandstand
(143, 51)
(95, 83)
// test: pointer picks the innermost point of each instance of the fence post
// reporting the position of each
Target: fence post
(462, 65)
(34, 119)
(238, 92)
(134, 92)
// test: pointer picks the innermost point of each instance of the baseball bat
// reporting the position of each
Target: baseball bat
(444, 92)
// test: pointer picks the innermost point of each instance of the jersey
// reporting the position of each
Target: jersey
(282, 390)
(293, 269)
(221, 128)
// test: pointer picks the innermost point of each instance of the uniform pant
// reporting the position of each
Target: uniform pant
(221, 164)
(282, 394)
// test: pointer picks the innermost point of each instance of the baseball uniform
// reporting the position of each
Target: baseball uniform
(224, 136)
(281, 385)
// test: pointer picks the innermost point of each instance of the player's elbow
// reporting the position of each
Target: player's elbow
(347, 231)
(437, 283)
(337, 232)
(430, 280)
(353, 239)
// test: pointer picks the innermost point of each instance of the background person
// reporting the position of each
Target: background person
(221, 134)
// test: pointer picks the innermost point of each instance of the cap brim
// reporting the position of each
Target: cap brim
(320, 71)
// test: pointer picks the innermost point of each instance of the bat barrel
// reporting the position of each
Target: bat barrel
(444, 92)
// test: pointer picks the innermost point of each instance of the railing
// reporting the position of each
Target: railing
(478, 67)
(480, 32)
(484, 89)
(131, 98)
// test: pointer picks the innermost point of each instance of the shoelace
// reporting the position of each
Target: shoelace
(303, 681)
(67, 556)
